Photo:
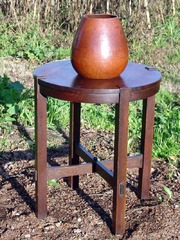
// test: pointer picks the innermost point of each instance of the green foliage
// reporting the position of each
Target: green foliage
(58, 113)
(159, 48)
(168, 192)
(53, 183)
(167, 34)
(101, 116)
(12, 97)
(167, 126)
(164, 44)
(135, 122)
(29, 41)
(17, 104)
(13, 102)
(166, 140)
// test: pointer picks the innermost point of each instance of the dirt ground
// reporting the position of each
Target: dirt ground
(85, 213)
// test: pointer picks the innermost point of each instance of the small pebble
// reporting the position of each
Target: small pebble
(176, 206)
(58, 224)
(27, 236)
(77, 230)
(49, 228)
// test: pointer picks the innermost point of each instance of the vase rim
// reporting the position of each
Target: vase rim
(100, 16)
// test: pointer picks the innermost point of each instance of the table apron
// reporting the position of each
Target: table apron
(107, 98)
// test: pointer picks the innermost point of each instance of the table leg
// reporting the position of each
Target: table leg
(146, 146)
(41, 152)
(74, 137)
(120, 162)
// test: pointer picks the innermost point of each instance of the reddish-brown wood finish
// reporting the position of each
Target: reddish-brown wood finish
(57, 172)
(146, 146)
(41, 153)
(75, 111)
(59, 80)
(120, 162)
(99, 49)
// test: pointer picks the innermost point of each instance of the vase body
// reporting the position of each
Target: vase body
(99, 49)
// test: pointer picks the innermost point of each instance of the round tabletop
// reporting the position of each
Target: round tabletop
(59, 79)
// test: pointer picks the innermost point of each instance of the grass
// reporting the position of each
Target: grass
(17, 105)
(161, 50)
(167, 127)
(28, 41)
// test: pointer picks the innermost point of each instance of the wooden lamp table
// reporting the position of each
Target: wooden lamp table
(59, 80)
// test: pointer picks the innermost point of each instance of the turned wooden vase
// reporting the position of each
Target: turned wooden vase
(99, 49)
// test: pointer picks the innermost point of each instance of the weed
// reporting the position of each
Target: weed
(58, 113)
(100, 116)
(167, 127)
(160, 48)
(53, 183)
(168, 192)
(16, 103)
(29, 42)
